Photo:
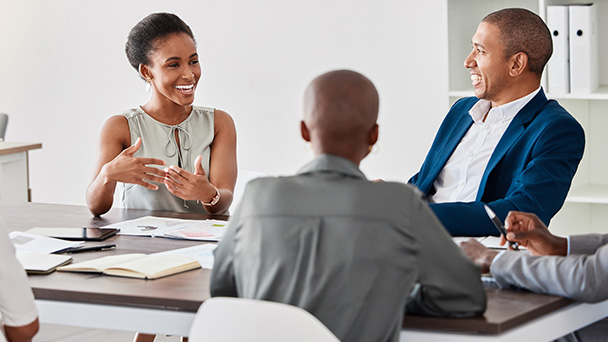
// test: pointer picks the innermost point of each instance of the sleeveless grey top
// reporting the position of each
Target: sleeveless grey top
(158, 141)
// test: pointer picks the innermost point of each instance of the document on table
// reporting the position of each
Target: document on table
(202, 230)
(40, 244)
(202, 253)
(492, 242)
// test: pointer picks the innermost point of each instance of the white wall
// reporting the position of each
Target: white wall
(63, 72)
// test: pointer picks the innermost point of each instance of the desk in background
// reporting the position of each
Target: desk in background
(14, 171)
(168, 305)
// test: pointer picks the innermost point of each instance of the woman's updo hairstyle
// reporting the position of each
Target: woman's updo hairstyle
(148, 31)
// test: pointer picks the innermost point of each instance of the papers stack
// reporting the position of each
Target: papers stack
(202, 230)
(34, 252)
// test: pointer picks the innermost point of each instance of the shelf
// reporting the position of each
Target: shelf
(592, 193)
(461, 93)
(600, 93)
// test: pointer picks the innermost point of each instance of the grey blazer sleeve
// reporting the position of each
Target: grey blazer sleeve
(587, 244)
(449, 284)
(580, 277)
(223, 283)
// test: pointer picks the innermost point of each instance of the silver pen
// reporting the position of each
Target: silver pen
(500, 227)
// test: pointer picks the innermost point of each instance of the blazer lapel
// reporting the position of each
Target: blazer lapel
(451, 142)
(511, 135)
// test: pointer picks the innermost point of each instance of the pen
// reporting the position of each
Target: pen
(89, 249)
(500, 227)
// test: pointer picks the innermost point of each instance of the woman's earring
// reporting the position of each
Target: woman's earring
(148, 86)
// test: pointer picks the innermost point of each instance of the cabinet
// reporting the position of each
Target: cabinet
(586, 208)
(14, 171)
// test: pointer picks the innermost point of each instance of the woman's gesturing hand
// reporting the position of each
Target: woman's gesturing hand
(128, 169)
(189, 186)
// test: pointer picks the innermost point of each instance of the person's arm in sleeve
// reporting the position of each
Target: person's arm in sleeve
(24, 333)
(580, 277)
(19, 314)
(586, 244)
(223, 283)
(448, 283)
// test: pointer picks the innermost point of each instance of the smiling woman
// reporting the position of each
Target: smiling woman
(170, 154)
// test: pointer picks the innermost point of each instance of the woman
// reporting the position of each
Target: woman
(170, 154)
(198, 143)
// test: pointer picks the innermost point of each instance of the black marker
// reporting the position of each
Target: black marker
(90, 249)
(500, 227)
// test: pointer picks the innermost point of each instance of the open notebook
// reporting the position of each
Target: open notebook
(135, 265)
(144, 266)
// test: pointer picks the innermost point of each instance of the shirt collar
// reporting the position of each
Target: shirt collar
(332, 164)
(500, 113)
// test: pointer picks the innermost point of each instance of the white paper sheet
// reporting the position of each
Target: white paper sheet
(38, 243)
(202, 253)
(203, 230)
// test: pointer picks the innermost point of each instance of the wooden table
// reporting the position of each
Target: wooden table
(510, 316)
(168, 305)
(165, 305)
(14, 170)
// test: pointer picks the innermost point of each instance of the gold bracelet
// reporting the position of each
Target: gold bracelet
(215, 198)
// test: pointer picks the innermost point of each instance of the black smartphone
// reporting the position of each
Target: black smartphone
(76, 234)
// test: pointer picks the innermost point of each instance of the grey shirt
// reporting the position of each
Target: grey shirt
(582, 275)
(345, 249)
(196, 135)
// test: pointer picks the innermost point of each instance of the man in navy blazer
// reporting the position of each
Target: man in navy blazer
(507, 147)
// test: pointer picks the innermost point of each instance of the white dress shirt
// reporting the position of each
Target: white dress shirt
(459, 179)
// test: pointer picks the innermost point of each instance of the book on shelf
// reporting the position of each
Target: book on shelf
(136, 265)
(558, 67)
(584, 60)
(41, 263)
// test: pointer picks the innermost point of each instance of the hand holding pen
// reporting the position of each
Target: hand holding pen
(530, 232)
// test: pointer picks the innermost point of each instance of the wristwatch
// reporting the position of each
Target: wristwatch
(215, 198)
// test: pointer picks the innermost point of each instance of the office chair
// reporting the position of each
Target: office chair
(222, 319)
(3, 123)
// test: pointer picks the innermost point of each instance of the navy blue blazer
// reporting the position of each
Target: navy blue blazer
(530, 170)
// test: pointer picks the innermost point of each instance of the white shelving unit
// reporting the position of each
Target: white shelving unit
(586, 208)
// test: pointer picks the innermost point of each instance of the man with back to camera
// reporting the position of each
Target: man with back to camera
(507, 147)
(339, 246)
(575, 267)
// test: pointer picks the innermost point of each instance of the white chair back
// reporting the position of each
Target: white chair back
(223, 319)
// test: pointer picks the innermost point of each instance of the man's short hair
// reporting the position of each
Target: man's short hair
(523, 31)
